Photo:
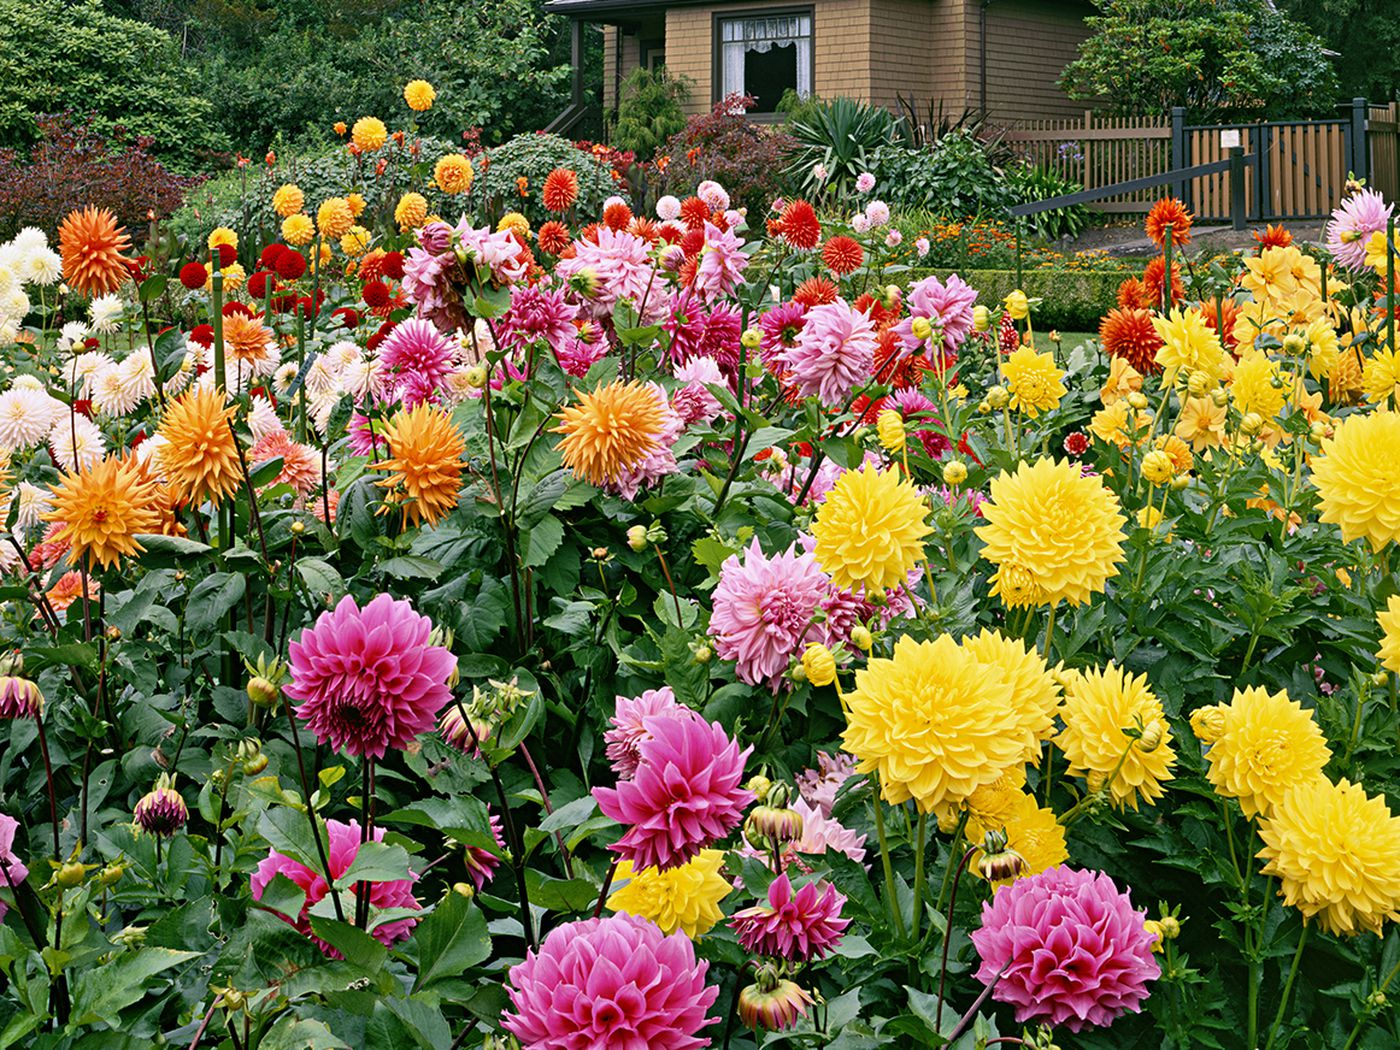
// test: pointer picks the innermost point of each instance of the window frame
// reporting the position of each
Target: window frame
(722, 15)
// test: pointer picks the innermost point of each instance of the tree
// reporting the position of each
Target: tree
(1366, 34)
(650, 111)
(1218, 58)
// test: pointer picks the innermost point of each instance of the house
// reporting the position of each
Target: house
(1000, 57)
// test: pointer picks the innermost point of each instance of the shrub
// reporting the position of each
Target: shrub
(649, 112)
(1037, 183)
(73, 165)
(744, 157)
(842, 136)
(1071, 299)
(532, 157)
(956, 178)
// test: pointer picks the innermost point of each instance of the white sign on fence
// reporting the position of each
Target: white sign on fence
(1230, 137)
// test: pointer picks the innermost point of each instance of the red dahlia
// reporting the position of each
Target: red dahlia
(375, 293)
(560, 189)
(193, 275)
(1128, 333)
(842, 255)
(554, 237)
(799, 225)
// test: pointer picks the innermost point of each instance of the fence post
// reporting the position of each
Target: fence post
(1360, 147)
(1237, 187)
(1178, 158)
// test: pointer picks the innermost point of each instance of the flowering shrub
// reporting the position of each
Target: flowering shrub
(613, 631)
(722, 145)
(531, 158)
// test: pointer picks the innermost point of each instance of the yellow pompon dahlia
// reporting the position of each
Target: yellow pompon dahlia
(425, 450)
(870, 529)
(610, 430)
(369, 133)
(1336, 852)
(453, 173)
(355, 242)
(933, 723)
(1356, 479)
(1189, 343)
(1099, 706)
(1267, 744)
(411, 211)
(516, 223)
(1035, 383)
(288, 199)
(334, 217)
(102, 509)
(1257, 386)
(1380, 377)
(297, 230)
(357, 203)
(684, 898)
(1389, 620)
(1035, 695)
(419, 95)
(199, 456)
(1052, 533)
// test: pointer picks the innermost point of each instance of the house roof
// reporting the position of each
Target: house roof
(582, 8)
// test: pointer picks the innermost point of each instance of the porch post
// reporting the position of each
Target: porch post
(576, 57)
(1360, 147)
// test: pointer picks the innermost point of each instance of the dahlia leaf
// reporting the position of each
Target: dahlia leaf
(375, 862)
(283, 896)
(449, 941)
(423, 1023)
(101, 992)
(410, 566)
(212, 597)
(292, 1033)
(320, 578)
(541, 541)
(357, 946)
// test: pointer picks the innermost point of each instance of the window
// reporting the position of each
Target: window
(764, 55)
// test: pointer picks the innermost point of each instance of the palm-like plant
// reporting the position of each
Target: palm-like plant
(841, 137)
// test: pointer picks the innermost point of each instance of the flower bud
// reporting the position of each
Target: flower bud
(772, 826)
(701, 652)
(774, 1008)
(984, 407)
(255, 765)
(1017, 305)
(637, 537)
(752, 338)
(111, 874)
(759, 785)
(1154, 930)
(1157, 467)
(861, 639)
(1208, 723)
(1376, 1000)
(1171, 927)
(1138, 400)
(70, 874)
(1295, 345)
(921, 328)
(954, 472)
(819, 664)
(1151, 738)
(1198, 384)
(889, 425)
(1380, 678)
(263, 692)
(584, 282)
(19, 698)
(476, 377)
(599, 553)
(1002, 865)
(1252, 423)
(998, 397)
(464, 889)
(161, 811)
(298, 528)
(981, 318)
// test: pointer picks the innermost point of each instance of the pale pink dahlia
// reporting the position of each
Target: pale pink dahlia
(722, 263)
(628, 730)
(948, 307)
(343, 847)
(835, 352)
(795, 926)
(368, 679)
(693, 402)
(657, 463)
(822, 832)
(765, 612)
(12, 869)
(497, 256)
(1355, 219)
(622, 265)
(1074, 949)
(820, 785)
(616, 983)
(686, 794)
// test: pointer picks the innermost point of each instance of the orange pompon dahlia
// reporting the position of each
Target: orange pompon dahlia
(199, 456)
(842, 254)
(610, 430)
(1273, 237)
(554, 237)
(102, 509)
(1169, 212)
(560, 191)
(815, 291)
(91, 244)
(1153, 279)
(425, 451)
(1128, 333)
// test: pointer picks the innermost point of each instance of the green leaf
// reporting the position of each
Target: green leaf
(153, 287)
(214, 596)
(375, 862)
(485, 616)
(266, 471)
(74, 654)
(102, 992)
(289, 832)
(540, 541)
(410, 566)
(358, 947)
(690, 680)
(449, 941)
(300, 1033)
(570, 816)
(166, 551)
(320, 578)
(283, 896)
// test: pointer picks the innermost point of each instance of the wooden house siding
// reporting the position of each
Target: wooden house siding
(1028, 45)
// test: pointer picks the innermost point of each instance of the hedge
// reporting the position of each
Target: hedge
(1072, 300)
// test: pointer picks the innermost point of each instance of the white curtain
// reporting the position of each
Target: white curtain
(738, 36)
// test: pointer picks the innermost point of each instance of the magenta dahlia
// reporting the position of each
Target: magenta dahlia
(414, 359)
(19, 698)
(616, 983)
(796, 926)
(537, 313)
(12, 869)
(628, 730)
(834, 353)
(686, 794)
(781, 327)
(1073, 949)
(368, 679)
(482, 863)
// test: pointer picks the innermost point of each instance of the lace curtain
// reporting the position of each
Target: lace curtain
(739, 36)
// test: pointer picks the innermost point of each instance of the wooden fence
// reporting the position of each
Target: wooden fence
(1098, 151)
(1383, 135)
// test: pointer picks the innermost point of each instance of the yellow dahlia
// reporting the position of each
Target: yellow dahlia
(1356, 479)
(870, 529)
(1380, 377)
(1189, 343)
(1120, 424)
(1035, 695)
(1389, 620)
(1266, 744)
(297, 230)
(515, 222)
(369, 133)
(103, 508)
(610, 430)
(222, 235)
(425, 451)
(334, 217)
(453, 173)
(199, 456)
(1051, 525)
(357, 203)
(986, 808)
(1032, 832)
(419, 95)
(1122, 380)
(1036, 385)
(91, 244)
(1201, 423)
(1099, 707)
(1336, 853)
(1324, 347)
(933, 723)
(411, 211)
(684, 898)
(1257, 386)
(355, 242)
(288, 199)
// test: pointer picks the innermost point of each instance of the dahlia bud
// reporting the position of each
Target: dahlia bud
(1252, 423)
(892, 296)
(798, 673)
(998, 861)
(130, 936)
(263, 692)
(464, 889)
(700, 652)
(71, 874)
(983, 407)
(637, 537)
(760, 786)
(231, 998)
(819, 664)
(861, 638)
(1318, 431)
(1295, 345)
(752, 338)
(111, 874)
(671, 257)
(1376, 1001)
(921, 328)
(775, 1007)
(476, 377)
(161, 810)
(1054, 336)
(600, 553)
(1350, 236)
(255, 765)
(773, 824)
(500, 1042)
(1220, 397)
(890, 428)
(1171, 927)
(1198, 384)
(585, 282)
(1138, 400)
(19, 698)
(1157, 467)
(981, 318)
(1379, 678)
(954, 472)
(12, 663)
(298, 528)
(1151, 738)
(998, 397)
(1154, 930)
(1017, 305)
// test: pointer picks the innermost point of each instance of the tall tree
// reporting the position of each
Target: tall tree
(1366, 36)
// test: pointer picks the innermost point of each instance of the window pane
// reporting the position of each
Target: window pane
(764, 56)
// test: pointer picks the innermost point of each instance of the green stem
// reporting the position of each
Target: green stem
(1287, 989)
(921, 837)
(1361, 1021)
(885, 863)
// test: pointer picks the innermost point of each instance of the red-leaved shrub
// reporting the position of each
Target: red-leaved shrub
(743, 156)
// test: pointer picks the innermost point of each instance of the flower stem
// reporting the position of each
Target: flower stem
(893, 900)
(948, 934)
(1287, 989)
(921, 837)
(311, 810)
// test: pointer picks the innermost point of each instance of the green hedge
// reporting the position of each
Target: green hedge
(1072, 300)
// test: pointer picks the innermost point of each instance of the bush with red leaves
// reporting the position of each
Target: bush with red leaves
(744, 157)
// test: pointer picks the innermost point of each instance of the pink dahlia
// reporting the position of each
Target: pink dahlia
(12, 869)
(918, 411)
(697, 330)
(765, 612)
(343, 847)
(1355, 219)
(621, 266)
(722, 263)
(580, 353)
(657, 463)
(497, 256)
(481, 863)
(821, 832)
(368, 679)
(1074, 949)
(535, 314)
(796, 926)
(415, 356)
(686, 794)
(428, 285)
(781, 326)
(820, 785)
(835, 352)
(616, 983)
(628, 730)
(693, 401)
(19, 697)
(301, 464)
(948, 307)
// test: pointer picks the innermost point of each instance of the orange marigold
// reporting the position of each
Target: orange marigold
(560, 190)
(91, 244)
(1129, 334)
(1169, 212)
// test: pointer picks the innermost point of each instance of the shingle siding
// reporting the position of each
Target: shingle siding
(1029, 43)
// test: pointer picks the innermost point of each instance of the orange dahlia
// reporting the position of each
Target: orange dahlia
(799, 225)
(1132, 295)
(617, 216)
(560, 190)
(1226, 309)
(102, 509)
(694, 213)
(1153, 278)
(1128, 333)
(425, 452)
(200, 455)
(301, 468)
(91, 244)
(1273, 237)
(815, 291)
(246, 338)
(842, 255)
(610, 430)
(1169, 212)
